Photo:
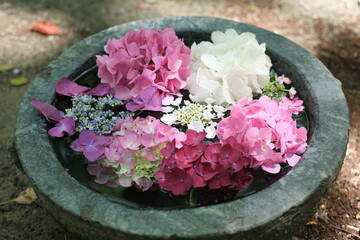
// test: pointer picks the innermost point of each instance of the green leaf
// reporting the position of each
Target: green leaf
(18, 81)
(6, 67)
(272, 73)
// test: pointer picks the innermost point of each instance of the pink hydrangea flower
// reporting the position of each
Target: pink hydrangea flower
(269, 135)
(142, 59)
(134, 151)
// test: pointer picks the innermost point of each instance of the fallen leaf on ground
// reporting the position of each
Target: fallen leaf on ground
(358, 216)
(18, 81)
(26, 197)
(46, 28)
(5, 67)
(143, 6)
(311, 223)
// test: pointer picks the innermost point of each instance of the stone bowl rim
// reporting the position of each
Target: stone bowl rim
(31, 125)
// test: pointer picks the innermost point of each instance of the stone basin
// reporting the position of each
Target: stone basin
(276, 212)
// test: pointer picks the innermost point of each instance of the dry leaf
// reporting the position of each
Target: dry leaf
(46, 28)
(26, 197)
(6, 67)
(358, 216)
(143, 6)
(18, 81)
(311, 223)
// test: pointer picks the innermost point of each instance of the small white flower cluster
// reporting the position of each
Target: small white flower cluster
(193, 116)
(230, 67)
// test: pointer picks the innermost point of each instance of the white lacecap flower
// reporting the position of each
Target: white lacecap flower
(167, 100)
(169, 119)
(177, 101)
(187, 102)
(167, 109)
(196, 125)
(208, 115)
(210, 132)
(220, 111)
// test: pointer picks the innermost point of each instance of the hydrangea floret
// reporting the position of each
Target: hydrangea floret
(162, 116)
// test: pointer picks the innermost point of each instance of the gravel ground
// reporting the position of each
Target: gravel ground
(329, 29)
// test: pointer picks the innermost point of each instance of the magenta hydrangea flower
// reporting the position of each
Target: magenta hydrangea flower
(91, 145)
(211, 165)
(142, 59)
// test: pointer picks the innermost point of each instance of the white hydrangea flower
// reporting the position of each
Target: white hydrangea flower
(228, 68)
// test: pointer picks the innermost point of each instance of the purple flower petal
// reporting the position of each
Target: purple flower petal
(92, 146)
(66, 87)
(133, 107)
(101, 90)
(147, 95)
(86, 137)
(48, 110)
(56, 132)
(148, 99)
(93, 153)
(64, 125)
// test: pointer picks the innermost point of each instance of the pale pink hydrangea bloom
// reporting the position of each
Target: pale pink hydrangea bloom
(264, 132)
(134, 151)
(143, 59)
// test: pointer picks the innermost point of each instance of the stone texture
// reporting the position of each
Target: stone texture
(274, 213)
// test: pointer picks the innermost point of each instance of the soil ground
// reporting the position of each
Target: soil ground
(330, 29)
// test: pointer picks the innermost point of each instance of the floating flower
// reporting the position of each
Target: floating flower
(221, 71)
(66, 87)
(48, 110)
(147, 58)
(193, 116)
(92, 146)
(64, 125)
(264, 132)
(135, 149)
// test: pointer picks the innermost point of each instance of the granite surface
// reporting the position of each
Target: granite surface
(276, 212)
